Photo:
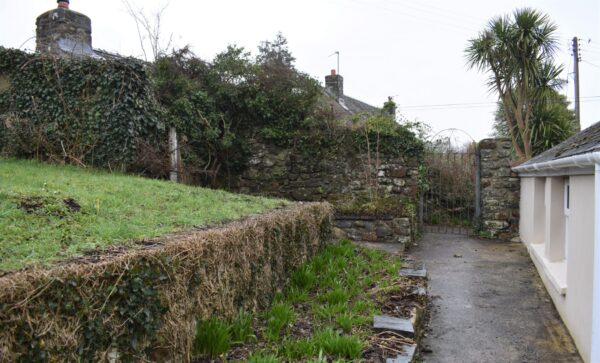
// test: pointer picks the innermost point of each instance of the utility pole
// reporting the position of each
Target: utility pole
(576, 60)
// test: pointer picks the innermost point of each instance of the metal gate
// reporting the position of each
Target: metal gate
(450, 199)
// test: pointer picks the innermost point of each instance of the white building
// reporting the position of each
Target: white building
(560, 224)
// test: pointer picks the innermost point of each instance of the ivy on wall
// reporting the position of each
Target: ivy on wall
(83, 110)
(114, 113)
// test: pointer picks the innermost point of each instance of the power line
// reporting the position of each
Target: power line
(442, 21)
(591, 64)
(445, 106)
(443, 13)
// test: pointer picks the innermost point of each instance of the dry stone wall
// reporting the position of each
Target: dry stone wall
(334, 177)
(338, 177)
(500, 188)
(374, 229)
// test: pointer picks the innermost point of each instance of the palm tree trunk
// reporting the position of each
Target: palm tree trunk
(509, 118)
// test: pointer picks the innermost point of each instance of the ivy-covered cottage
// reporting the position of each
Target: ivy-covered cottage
(560, 224)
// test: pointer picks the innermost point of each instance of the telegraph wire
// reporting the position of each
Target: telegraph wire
(442, 22)
(467, 105)
(591, 64)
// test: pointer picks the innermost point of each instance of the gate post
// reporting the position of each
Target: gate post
(477, 184)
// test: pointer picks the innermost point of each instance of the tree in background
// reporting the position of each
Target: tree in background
(218, 106)
(551, 123)
(518, 52)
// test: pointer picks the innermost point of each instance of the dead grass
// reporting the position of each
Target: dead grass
(74, 312)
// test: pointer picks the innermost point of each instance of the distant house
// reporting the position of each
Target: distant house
(560, 224)
(344, 106)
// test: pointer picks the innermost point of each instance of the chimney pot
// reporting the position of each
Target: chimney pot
(64, 33)
(64, 4)
(334, 83)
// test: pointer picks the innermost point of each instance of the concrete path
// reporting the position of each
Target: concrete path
(488, 304)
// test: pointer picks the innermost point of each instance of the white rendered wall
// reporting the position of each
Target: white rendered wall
(575, 306)
(532, 210)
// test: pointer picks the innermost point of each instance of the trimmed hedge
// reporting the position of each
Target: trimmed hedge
(142, 304)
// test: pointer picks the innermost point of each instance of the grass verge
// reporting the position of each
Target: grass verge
(325, 314)
(49, 213)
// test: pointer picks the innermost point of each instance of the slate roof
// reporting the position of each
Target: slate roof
(355, 106)
(586, 141)
(348, 106)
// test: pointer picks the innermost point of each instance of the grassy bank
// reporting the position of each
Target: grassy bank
(324, 315)
(49, 213)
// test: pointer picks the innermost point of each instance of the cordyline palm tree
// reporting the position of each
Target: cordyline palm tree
(517, 51)
(551, 123)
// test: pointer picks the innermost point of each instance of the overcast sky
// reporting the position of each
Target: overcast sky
(411, 50)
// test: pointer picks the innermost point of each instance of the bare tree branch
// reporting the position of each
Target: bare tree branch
(149, 29)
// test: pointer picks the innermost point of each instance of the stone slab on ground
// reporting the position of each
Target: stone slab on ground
(407, 355)
(419, 291)
(399, 325)
(413, 272)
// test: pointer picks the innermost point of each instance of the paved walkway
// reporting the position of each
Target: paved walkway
(488, 304)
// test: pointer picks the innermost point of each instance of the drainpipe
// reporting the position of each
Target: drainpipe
(595, 354)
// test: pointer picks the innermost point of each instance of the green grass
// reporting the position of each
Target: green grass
(324, 315)
(212, 338)
(279, 317)
(49, 213)
(260, 358)
(333, 293)
(240, 328)
(337, 345)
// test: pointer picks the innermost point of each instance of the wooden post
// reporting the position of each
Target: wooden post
(173, 150)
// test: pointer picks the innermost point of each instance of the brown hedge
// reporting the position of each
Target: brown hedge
(142, 304)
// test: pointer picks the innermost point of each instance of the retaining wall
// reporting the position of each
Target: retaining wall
(334, 176)
(375, 229)
(142, 304)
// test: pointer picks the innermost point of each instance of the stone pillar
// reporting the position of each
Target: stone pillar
(500, 188)
(64, 32)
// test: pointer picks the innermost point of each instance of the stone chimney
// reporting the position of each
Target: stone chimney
(334, 83)
(64, 32)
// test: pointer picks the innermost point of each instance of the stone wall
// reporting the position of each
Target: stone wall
(333, 176)
(500, 188)
(374, 229)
